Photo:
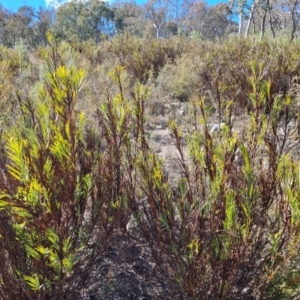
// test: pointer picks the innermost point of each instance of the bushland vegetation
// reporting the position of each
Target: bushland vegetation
(80, 21)
(79, 175)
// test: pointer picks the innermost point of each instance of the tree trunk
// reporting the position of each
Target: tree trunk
(263, 25)
(294, 20)
(250, 20)
(240, 24)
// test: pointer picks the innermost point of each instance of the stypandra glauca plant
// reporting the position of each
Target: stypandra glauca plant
(232, 223)
(59, 203)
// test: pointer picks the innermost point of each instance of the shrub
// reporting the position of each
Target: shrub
(229, 229)
(229, 226)
(142, 56)
(59, 204)
(222, 71)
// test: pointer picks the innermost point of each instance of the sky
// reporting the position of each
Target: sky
(15, 4)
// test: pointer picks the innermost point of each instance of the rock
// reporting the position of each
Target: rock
(175, 106)
(216, 127)
(167, 108)
(181, 112)
(149, 126)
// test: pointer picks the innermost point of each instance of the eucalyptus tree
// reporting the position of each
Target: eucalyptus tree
(260, 10)
(16, 25)
(129, 17)
(156, 15)
(277, 16)
(286, 17)
(4, 17)
(43, 22)
(84, 20)
(240, 7)
(26, 24)
(210, 22)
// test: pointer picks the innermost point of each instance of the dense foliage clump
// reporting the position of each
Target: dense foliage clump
(79, 175)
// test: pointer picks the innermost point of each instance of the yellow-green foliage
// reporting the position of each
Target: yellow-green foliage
(43, 157)
(232, 214)
(229, 229)
(50, 185)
